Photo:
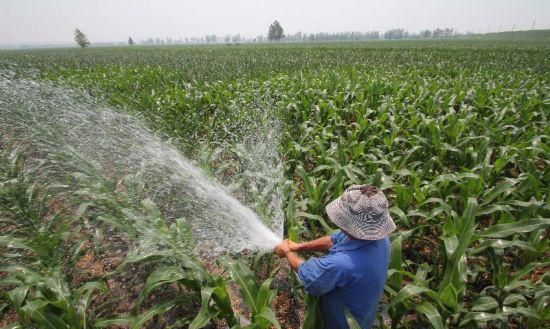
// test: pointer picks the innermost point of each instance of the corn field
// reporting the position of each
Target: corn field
(456, 133)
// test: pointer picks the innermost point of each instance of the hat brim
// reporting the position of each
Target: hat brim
(353, 225)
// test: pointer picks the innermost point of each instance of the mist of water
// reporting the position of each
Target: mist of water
(55, 119)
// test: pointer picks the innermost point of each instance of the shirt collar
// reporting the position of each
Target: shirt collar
(349, 244)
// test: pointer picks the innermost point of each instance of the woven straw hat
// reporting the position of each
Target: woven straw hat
(362, 211)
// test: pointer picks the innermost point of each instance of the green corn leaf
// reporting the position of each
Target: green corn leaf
(139, 320)
(321, 220)
(456, 265)
(505, 188)
(82, 210)
(248, 286)
(351, 175)
(223, 302)
(449, 296)
(36, 310)
(516, 284)
(524, 226)
(484, 303)
(453, 178)
(137, 256)
(502, 161)
(13, 242)
(396, 260)
(162, 276)
(513, 299)
(83, 295)
(352, 323)
(17, 295)
(450, 244)
(120, 321)
(308, 184)
(444, 206)
(500, 243)
(313, 318)
(507, 311)
(400, 214)
(411, 290)
(205, 314)
(481, 319)
(378, 178)
(265, 294)
(24, 274)
(431, 313)
(488, 210)
(268, 315)
(519, 274)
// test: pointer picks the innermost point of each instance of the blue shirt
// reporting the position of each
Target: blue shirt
(351, 276)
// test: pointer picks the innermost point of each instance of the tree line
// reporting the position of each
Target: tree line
(276, 33)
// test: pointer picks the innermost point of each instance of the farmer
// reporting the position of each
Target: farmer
(353, 273)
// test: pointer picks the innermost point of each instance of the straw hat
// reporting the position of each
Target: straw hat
(362, 211)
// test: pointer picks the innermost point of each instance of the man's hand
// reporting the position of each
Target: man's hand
(293, 246)
(282, 249)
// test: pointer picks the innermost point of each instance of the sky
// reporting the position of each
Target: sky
(53, 21)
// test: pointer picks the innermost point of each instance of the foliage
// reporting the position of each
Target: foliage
(81, 39)
(257, 296)
(455, 133)
(34, 245)
(275, 32)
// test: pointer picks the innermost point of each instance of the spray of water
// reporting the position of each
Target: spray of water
(56, 119)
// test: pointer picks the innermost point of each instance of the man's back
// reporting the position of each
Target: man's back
(351, 276)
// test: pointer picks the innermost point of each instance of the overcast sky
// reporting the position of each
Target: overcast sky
(28, 21)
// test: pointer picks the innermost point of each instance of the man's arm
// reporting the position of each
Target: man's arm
(286, 248)
(283, 250)
(294, 260)
(318, 275)
(321, 244)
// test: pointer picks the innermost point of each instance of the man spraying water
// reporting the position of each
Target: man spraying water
(353, 273)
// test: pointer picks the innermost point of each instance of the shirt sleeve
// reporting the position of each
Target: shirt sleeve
(337, 237)
(318, 275)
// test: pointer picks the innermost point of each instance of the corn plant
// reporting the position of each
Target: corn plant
(258, 297)
(34, 245)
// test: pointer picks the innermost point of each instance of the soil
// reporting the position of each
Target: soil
(288, 308)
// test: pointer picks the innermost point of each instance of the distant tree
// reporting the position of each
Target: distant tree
(395, 34)
(81, 39)
(130, 41)
(426, 34)
(275, 32)
(438, 33)
(211, 38)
